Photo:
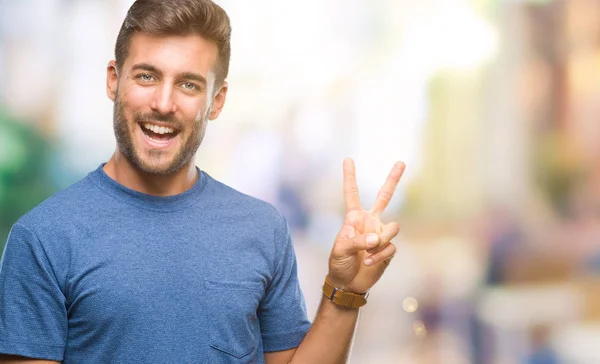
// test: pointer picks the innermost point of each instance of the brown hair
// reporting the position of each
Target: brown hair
(178, 17)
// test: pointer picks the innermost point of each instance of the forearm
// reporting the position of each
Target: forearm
(330, 337)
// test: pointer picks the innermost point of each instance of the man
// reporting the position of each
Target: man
(149, 259)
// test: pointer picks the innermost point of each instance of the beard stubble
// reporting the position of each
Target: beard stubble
(151, 163)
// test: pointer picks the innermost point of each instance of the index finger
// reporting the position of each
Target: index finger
(387, 191)
(351, 196)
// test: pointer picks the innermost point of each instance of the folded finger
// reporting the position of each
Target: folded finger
(388, 232)
(383, 255)
(355, 244)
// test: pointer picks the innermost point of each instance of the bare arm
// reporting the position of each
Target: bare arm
(11, 359)
(328, 340)
(330, 337)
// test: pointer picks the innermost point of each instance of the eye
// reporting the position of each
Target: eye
(189, 86)
(146, 77)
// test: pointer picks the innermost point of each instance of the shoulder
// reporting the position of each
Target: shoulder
(49, 228)
(250, 215)
(64, 206)
(235, 201)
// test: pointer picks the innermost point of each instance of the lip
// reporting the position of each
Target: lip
(155, 144)
(159, 123)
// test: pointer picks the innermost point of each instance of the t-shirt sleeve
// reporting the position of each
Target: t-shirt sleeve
(282, 312)
(33, 317)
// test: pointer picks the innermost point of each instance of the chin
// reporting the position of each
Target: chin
(156, 162)
(162, 169)
(149, 165)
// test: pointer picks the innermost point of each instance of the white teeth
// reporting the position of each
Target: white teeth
(159, 129)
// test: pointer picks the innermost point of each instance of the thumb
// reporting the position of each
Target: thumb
(348, 243)
(347, 232)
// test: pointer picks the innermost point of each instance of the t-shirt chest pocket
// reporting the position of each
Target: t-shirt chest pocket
(232, 320)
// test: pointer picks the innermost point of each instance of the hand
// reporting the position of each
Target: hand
(362, 249)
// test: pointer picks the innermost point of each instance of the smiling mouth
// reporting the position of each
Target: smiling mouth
(158, 133)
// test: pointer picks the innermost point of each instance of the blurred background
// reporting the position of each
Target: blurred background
(492, 104)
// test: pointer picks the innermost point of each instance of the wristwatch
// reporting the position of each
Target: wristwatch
(344, 298)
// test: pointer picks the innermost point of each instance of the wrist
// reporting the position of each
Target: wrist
(343, 297)
(336, 283)
(342, 286)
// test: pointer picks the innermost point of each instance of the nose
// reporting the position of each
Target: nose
(163, 101)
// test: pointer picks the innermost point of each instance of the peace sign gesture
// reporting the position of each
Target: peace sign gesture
(362, 249)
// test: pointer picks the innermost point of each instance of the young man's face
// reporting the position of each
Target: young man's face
(163, 96)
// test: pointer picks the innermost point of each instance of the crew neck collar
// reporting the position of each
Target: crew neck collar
(146, 201)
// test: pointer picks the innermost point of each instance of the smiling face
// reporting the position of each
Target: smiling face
(163, 96)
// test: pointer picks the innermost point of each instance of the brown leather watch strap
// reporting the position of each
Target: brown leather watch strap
(343, 298)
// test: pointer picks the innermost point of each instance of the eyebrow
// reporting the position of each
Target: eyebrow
(191, 76)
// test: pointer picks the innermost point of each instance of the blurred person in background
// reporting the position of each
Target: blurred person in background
(148, 258)
(541, 351)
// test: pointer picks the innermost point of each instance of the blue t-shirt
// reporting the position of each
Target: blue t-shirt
(100, 273)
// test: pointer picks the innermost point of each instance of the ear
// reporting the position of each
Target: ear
(112, 80)
(218, 102)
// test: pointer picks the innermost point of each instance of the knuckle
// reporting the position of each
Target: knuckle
(351, 190)
(373, 250)
(385, 195)
(380, 250)
(392, 249)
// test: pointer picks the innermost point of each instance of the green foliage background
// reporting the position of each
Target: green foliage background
(26, 171)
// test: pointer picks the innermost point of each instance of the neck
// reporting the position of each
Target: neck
(121, 170)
